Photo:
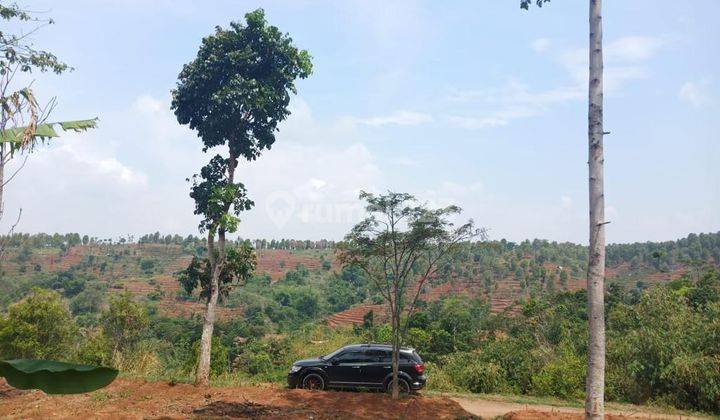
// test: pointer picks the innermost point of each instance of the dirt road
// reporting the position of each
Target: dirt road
(490, 409)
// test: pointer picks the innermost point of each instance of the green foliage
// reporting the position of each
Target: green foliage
(55, 377)
(38, 327)
(665, 347)
(235, 93)
(214, 195)
(240, 262)
(563, 377)
(238, 88)
(123, 322)
(88, 301)
(346, 289)
(15, 51)
(147, 265)
(484, 378)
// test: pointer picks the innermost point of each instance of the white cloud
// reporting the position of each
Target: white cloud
(695, 94)
(500, 106)
(541, 45)
(404, 161)
(624, 60)
(404, 118)
(566, 202)
(130, 177)
(633, 48)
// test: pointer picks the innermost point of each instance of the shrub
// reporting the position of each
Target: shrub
(562, 377)
(483, 377)
(38, 327)
(259, 363)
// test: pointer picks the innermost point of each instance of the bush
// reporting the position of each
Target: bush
(482, 377)
(259, 363)
(562, 377)
(123, 322)
(440, 379)
(38, 327)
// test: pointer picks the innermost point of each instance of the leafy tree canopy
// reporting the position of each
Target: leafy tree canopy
(16, 51)
(39, 327)
(238, 88)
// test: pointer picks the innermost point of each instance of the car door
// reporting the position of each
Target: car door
(345, 368)
(377, 367)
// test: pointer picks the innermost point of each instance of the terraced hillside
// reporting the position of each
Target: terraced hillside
(146, 270)
(500, 271)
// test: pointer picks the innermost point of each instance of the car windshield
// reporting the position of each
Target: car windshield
(331, 355)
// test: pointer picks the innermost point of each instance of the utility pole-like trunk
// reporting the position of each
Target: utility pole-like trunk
(595, 382)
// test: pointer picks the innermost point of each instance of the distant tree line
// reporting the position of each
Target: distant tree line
(292, 244)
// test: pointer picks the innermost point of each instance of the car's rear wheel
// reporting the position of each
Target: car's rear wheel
(403, 386)
(313, 382)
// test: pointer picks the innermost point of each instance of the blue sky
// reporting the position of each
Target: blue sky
(474, 103)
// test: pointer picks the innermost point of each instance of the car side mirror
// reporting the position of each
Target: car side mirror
(334, 362)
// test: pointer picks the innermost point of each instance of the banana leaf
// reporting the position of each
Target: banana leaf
(54, 377)
(45, 130)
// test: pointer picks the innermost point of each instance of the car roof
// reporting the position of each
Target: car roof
(377, 346)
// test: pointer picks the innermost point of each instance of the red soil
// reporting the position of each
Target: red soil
(277, 262)
(135, 399)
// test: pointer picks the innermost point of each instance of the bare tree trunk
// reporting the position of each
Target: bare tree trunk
(395, 352)
(2, 176)
(595, 382)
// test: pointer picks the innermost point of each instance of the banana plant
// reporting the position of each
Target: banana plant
(53, 377)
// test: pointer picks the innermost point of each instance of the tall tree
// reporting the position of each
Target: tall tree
(22, 118)
(595, 380)
(400, 246)
(234, 93)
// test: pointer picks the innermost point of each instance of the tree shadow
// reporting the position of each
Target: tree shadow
(245, 409)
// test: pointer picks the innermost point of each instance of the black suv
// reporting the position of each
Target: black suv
(359, 366)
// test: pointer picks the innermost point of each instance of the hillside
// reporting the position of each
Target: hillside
(662, 302)
(500, 271)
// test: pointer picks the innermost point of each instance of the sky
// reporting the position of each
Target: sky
(474, 103)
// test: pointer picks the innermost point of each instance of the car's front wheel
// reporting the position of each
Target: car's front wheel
(403, 386)
(313, 382)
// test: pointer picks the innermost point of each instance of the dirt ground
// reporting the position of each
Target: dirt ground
(133, 399)
(137, 399)
(489, 409)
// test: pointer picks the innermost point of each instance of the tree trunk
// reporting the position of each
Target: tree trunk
(395, 353)
(202, 376)
(2, 176)
(595, 382)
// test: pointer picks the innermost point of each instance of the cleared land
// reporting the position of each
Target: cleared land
(138, 399)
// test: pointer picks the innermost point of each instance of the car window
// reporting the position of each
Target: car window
(385, 356)
(354, 356)
(374, 355)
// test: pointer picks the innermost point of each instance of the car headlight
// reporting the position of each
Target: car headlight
(295, 368)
